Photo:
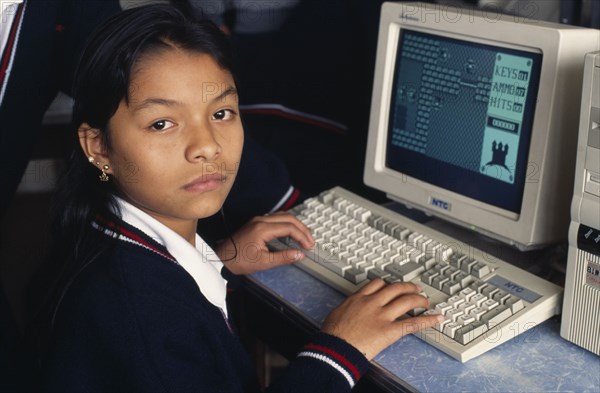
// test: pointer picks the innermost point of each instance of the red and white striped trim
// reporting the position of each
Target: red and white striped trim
(289, 193)
(293, 114)
(290, 202)
(129, 237)
(10, 49)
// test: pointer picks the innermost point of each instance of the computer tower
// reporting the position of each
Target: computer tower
(581, 304)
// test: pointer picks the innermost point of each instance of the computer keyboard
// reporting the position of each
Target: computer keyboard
(486, 301)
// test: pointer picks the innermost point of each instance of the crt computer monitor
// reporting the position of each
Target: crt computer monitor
(474, 118)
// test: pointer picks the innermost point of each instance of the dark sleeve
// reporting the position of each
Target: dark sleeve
(48, 47)
(325, 364)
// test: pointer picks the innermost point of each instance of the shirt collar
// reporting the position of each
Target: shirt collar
(201, 262)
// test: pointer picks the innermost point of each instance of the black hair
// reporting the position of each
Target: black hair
(101, 83)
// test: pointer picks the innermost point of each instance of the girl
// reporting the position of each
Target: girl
(141, 300)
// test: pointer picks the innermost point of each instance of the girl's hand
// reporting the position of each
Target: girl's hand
(251, 254)
(368, 319)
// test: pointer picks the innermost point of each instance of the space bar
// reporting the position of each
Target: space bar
(323, 257)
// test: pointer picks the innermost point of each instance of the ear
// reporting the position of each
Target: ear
(92, 145)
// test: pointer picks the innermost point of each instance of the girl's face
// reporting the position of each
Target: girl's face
(176, 146)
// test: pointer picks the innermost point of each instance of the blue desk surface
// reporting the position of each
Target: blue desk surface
(538, 360)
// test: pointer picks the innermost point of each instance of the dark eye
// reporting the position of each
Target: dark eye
(162, 125)
(223, 114)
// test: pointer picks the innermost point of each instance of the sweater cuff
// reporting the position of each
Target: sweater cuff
(338, 354)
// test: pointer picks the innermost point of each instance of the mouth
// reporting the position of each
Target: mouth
(206, 183)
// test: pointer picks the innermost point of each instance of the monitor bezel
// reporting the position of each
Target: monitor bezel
(502, 31)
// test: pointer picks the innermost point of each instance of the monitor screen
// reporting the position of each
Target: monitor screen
(474, 118)
(461, 116)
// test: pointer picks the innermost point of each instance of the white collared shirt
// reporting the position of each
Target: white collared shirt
(201, 262)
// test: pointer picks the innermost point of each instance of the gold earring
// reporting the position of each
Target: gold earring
(104, 176)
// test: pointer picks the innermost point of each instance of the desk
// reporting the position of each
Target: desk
(538, 360)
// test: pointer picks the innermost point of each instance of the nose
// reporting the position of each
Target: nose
(202, 145)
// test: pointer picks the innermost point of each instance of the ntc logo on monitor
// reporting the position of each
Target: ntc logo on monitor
(440, 203)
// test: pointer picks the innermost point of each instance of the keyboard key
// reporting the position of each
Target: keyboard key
(399, 231)
(392, 279)
(418, 257)
(428, 263)
(490, 304)
(355, 275)
(356, 262)
(399, 259)
(373, 218)
(465, 319)
(412, 239)
(478, 286)
(451, 287)
(440, 326)
(495, 316)
(394, 269)
(377, 272)
(470, 332)
(478, 312)
(444, 252)
(416, 311)
(455, 259)
(464, 279)
(501, 296)
(362, 254)
(455, 301)
(467, 265)
(478, 299)
(403, 235)
(390, 228)
(515, 304)
(439, 281)
(382, 263)
(480, 270)
(428, 277)
(454, 314)
(363, 215)
(378, 261)
(443, 307)
(466, 307)
(489, 291)
(422, 243)
(451, 272)
(431, 312)
(378, 237)
(432, 248)
(467, 294)
(451, 328)
(325, 259)
(388, 242)
(441, 268)
(344, 255)
(410, 270)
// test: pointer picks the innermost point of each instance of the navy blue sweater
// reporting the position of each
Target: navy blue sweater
(134, 320)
